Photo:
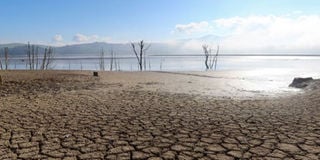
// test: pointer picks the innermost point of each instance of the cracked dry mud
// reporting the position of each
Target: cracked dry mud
(115, 122)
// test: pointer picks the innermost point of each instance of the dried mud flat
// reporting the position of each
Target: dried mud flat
(72, 115)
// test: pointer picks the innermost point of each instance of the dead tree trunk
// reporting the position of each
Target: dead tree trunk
(50, 57)
(35, 61)
(1, 67)
(216, 58)
(37, 58)
(145, 62)
(32, 57)
(140, 54)
(29, 55)
(210, 60)
(44, 59)
(206, 54)
(101, 62)
(119, 66)
(6, 57)
(111, 60)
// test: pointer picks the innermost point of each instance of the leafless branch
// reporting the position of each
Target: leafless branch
(141, 56)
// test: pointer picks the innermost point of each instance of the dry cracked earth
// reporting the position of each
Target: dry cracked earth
(109, 121)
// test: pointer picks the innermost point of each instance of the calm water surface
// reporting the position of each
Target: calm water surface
(185, 63)
(252, 74)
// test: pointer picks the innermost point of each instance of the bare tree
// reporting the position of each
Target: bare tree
(111, 60)
(50, 58)
(101, 60)
(140, 53)
(210, 60)
(33, 62)
(6, 57)
(207, 52)
(216, 58)
(1, 65)
(114, 61)
(5, 66)
(119, 66)
(29, 50)
(33, 57)
(44, 59)
(115, 64)
(37, 58)
(47, 59)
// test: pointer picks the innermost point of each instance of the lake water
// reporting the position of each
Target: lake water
(278, 67)
(184, 63)
(266, 75)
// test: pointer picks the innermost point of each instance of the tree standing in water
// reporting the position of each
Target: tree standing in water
(140, 53)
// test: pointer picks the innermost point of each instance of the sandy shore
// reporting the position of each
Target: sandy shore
(152, 115)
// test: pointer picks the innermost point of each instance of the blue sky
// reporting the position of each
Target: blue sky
(71, 21)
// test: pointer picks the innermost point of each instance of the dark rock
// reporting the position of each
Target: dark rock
(95, 74)
(301, 82)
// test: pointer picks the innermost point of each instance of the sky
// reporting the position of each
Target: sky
(235, 24)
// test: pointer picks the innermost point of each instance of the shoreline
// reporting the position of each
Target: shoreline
(142, 115)
(243, 84)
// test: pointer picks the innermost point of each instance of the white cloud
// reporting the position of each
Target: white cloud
(81, 38)
(57, 38)
(267, 33)
(192, 27)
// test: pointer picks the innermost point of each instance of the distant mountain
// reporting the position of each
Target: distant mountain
(11, 45)
(178, 47)
(191, 46)
(15, 49)
(91, 49)
(18, 49)
(94, 49)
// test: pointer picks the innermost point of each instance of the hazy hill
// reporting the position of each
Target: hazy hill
(94, 49)
(179, 47)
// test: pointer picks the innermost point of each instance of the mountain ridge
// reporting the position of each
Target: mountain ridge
(122, 49)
